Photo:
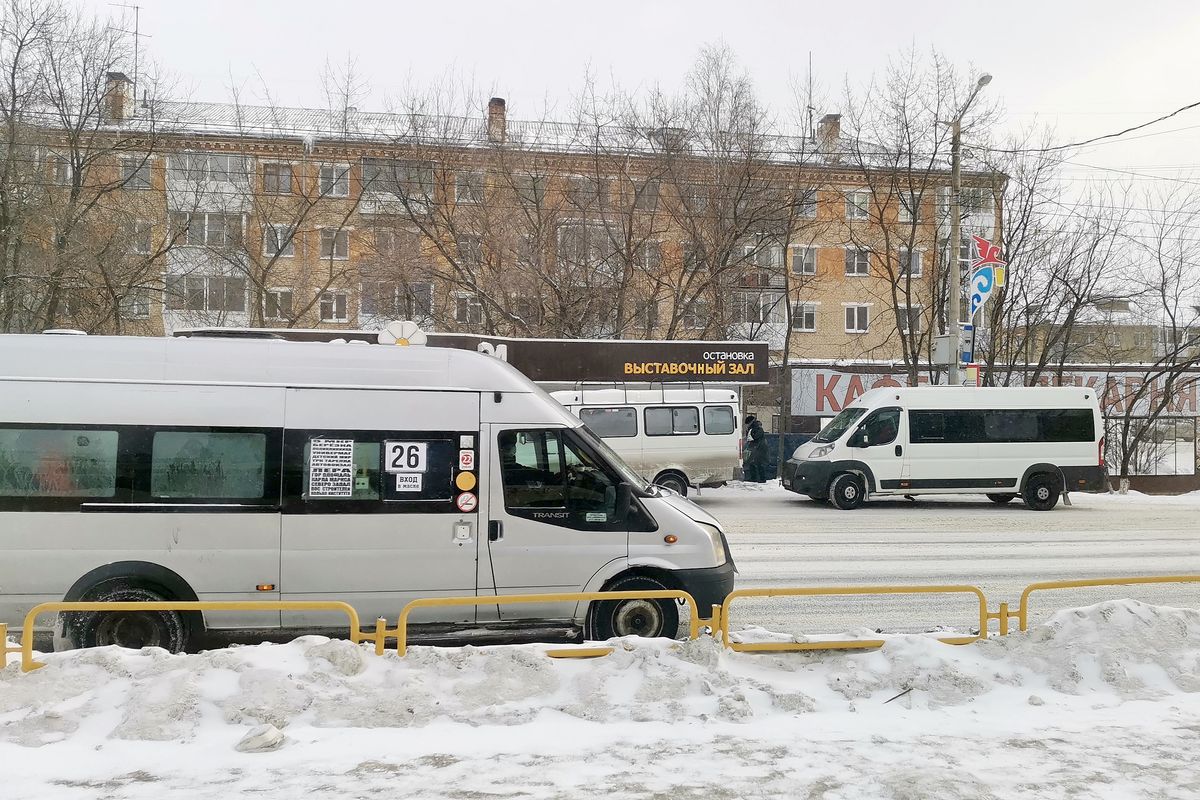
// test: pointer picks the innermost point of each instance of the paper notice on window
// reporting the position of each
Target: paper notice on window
(331, 468)
(409, 481)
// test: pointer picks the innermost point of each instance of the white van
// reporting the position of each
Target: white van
(219, 469)
(673, 437)
(1035, 443)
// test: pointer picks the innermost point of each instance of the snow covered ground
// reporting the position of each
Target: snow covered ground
(1100, 702)
(782, 539)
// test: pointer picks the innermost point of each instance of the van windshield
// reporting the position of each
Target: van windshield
(839, 425)
(608, 454)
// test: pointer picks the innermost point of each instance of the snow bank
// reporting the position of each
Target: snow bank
(324, 695)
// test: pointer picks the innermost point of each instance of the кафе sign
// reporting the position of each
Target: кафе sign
(615, 360)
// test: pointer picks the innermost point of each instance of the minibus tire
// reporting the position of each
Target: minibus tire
(132, 629)
(846, 491)
(1001, 499)
(673, 480)
(612, 618)
(1041, 491)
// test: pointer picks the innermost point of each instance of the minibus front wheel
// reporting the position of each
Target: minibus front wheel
(637, 617)
(846, 491)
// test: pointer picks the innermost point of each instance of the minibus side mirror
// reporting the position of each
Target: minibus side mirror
(624, 501)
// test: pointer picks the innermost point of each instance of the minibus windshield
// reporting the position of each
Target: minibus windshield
(608, 454)
(839, 425)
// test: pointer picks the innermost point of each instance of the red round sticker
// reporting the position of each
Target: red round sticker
(466, 502)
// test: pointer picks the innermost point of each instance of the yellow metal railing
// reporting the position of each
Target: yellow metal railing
(7, 648)
(1023, 610)
(401, 629)
(26, 649)
(723, 620)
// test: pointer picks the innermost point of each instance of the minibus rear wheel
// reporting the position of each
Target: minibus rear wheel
(637, 617)
(674, 481)
(132, 629)
(1042, 491)
(846, 491)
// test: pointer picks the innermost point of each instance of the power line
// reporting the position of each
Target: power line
(1116, 135)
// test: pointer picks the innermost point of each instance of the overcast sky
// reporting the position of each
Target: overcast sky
(1086, 68)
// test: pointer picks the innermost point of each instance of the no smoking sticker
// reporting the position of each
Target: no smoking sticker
(466, 502)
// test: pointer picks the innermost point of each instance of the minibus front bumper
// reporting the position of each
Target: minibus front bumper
(709, 585)
(807, 477)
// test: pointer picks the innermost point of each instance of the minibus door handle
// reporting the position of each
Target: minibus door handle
(899, 450)
(495, 530)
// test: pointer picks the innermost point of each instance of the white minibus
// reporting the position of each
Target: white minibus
(250, 469)
(673, 437)
(1032, 443)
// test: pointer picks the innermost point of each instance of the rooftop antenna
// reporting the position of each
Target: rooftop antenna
(812, 134)
(137, 39)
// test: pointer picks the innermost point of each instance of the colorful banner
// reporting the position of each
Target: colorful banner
(987, 272)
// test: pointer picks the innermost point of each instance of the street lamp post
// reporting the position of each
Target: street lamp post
(954, 282)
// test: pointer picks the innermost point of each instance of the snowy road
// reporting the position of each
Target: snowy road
(781, 539)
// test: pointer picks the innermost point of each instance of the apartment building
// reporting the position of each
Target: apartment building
(261, 216)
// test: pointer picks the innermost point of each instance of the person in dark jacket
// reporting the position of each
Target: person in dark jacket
(755, 451)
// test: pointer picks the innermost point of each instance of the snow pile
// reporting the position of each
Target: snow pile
(341, 709)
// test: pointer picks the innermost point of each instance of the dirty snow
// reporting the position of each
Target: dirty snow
(1098, 702)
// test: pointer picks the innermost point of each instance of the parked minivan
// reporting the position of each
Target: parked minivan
(1033, 443)
(224, 469)
(673, 437)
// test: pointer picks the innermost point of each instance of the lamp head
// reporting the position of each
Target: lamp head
(984, 80)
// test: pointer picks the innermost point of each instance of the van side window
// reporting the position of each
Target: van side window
(401, 471)
(610, 423)
(58, 462)
(882, 426)
(547, 470)
(673, 421)
(718, 420)
(1010, 426)
(208, 464)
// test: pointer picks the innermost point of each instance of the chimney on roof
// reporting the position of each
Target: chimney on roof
(497, 121)
(829, 130)
(118, 97)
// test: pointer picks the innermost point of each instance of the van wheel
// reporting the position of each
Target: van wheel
(649, 618)
(1002, 498)
(1041, 492)
(131, 629)
(846, 491)
(674, 481)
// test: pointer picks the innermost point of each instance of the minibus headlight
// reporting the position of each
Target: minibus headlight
(718, 546)
(821, 451)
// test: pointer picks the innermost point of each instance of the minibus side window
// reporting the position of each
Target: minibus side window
(208, 464)
(610, 423)
(673, 421)
(57, 462)
(718, 420)
(882, 426)
(548, 470)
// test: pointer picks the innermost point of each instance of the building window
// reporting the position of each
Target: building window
(804, 260)
(470, 251)
(135, 172)
(584, 245)
(910, 319)
(857, 319)
(279, 240)
(205, 293)
(408, 180)
(277, 304)
(335, 243)
(333, 306)
(648, 256)
(806, 203)
(385, 299)
(910, 207)
(335, 180)
(645, 195)
(804, 317)
(757, 308)
(910, 262)
(136, 304)
(530, 189)
(698, 315)
(468, 187)
(584, 192)
(61, 169)
(468, 310)
(858, 261)
(141, 240)
(201, 167)
(206, 230)
(858, 205)
(277, 178)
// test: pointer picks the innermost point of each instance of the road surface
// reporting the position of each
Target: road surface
(782, 539)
